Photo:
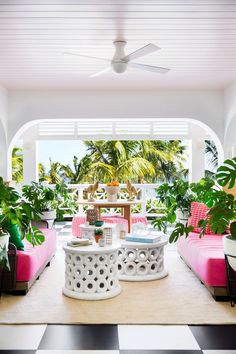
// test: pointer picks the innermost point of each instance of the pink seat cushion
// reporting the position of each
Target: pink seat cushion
(205, 256)
(80, 219)
(32, 258)
(76, 222)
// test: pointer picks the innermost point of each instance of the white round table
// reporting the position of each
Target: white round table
(91, 272)
(139, 261)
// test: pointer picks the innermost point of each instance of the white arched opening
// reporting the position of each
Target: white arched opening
(138, 129)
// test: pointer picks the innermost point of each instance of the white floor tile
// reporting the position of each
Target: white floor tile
(21, 336)
(219, 351)
(77, 352)
(156, 337)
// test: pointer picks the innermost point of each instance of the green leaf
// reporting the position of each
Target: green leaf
(226, 174)
(233, 229)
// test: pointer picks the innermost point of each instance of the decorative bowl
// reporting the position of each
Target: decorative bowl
(98, 223)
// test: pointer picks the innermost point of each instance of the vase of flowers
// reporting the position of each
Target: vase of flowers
(112, 189)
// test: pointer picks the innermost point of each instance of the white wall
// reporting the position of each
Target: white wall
(4, 107)
(205, 106)
(230, 119)
(3, 131)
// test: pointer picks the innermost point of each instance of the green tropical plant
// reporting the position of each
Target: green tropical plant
(222, 212)
(179, 196)
(79, 172)
(17, 164)
(211, 154)
(15, 211)
(98, 231)
(64, 202)
(118, 160)
(40, 197)
(53, 176)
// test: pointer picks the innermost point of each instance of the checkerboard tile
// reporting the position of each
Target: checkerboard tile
(112, 339)
(156, 337)
(83, 337)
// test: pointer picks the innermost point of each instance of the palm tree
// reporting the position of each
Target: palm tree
(17, 164)
(79, 172)
(118, 160)
(166, 157)
(42, 172)
(53, 176)
(211, 155)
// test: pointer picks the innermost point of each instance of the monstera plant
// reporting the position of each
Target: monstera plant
(221, 217)
(15, 222)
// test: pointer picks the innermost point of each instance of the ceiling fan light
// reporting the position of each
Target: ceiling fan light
(119, 67)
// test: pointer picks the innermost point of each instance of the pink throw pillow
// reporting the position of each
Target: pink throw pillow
(198, 212)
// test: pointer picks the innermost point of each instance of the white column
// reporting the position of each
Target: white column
(197, 160)
(3, 153)
(234, 151)
(30, 161)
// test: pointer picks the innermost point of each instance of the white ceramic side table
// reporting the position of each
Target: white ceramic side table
(139, 261)
(91, 272)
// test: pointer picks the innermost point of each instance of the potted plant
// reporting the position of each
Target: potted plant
(222, 213)
(41, 198)
(98, 233)
(63, 202)
(221, 217)
(15, 221)
(176, 198)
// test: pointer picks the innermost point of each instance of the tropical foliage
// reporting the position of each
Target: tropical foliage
(17, 164)
(138, 161)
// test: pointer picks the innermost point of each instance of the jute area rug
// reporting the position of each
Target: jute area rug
(177, 299)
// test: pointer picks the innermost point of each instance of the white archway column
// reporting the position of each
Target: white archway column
(197, 155)
(30, 161)
(3, 161)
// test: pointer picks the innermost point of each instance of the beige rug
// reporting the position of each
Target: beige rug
(177, 299)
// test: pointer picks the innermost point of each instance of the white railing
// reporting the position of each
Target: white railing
(148, 206)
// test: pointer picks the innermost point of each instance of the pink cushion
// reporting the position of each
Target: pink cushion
(198, 212)
(78, 220)
(32, 258)
(205, 256)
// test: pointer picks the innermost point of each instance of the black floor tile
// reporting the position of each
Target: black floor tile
(80, 337)
(222, 337)
(160, 351)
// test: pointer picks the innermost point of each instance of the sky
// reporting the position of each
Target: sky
(61, 151)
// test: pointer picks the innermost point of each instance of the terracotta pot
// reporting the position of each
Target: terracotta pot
(97, 238)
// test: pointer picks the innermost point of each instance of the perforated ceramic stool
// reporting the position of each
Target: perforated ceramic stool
(139, 261)
(91, 272)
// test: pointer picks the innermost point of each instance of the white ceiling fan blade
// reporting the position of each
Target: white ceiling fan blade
(101, 72)
(149, 48)
(155, 69)
(86, 56)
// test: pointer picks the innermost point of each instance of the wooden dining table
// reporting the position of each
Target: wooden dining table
(125, 205)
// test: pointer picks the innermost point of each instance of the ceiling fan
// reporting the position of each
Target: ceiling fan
(120, 62)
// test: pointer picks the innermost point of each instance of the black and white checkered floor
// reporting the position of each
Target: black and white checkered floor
(113, 339)
(121, 339)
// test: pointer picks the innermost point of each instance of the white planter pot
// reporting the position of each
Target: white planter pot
(182, 216)
(48, 215)
(4, 241)
(230, 249)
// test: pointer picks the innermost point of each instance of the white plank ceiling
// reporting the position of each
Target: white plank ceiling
(197, 40)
